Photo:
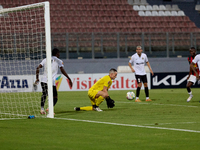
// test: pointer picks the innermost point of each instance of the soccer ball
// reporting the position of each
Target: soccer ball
(130, 95)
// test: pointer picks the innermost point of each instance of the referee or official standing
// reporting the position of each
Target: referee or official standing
(139, 60)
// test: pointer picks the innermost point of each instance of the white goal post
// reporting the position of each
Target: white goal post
(25, 36)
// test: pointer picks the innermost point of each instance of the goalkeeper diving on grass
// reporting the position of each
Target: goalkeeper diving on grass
(99, 91)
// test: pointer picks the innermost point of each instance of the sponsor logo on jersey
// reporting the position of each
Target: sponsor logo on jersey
(58, 82)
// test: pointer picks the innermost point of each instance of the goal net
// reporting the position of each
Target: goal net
(24, 42)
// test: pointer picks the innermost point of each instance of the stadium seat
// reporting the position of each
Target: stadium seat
(155, 7)
(113, 19)
(142, 7)
(142, 13)
(161, 13)
(136, 2)
(162, 7)
(70, 2)
(186, 18)
(125, 25)
(130, 2)
(180, 13)
(175, 7)
(168, 13)
(174, 13)
(136, 7)
(143, 2)
(88, 7)
(119, 19)
(149, 7)
(127, 19)
(168, 7)
(154, 13)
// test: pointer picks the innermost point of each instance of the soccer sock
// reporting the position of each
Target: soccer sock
(55, 101)
(87, 108)
(138, 92)
(189, 90)
(43, 98)
(146, 91)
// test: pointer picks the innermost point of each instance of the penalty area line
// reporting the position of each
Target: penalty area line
(129, 125)
(157, 104)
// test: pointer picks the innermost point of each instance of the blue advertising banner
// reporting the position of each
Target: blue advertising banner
(170, 80)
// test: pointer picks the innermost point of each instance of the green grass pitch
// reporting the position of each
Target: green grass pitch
(166, 123)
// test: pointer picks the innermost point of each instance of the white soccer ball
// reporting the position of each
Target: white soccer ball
(130, 95)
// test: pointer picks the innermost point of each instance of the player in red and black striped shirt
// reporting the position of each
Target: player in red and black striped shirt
(191, 79)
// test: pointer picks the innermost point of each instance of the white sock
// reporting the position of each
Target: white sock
(137, 98)
(147, 97)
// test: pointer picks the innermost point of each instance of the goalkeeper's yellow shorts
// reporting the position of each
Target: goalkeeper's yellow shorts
(95, 101)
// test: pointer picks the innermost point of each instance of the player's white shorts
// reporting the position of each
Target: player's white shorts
(192, 79)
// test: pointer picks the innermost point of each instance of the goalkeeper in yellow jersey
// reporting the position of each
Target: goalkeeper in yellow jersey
(99, 91)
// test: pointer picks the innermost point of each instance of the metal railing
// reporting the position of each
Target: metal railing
(123, 45)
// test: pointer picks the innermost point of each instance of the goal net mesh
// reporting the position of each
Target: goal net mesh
(22, 47)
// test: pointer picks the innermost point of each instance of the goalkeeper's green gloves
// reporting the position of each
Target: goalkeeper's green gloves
(110, 102)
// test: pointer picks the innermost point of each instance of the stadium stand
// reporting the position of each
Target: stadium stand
(103, 11)
(107, 17)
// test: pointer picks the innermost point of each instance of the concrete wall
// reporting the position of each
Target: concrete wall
(104, 65)
(73, 66)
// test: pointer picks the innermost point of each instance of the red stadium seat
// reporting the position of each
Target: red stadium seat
(95, 13)
(120, 19)
(103, 7)
(113, 19)
(97, 2)
(88, 7)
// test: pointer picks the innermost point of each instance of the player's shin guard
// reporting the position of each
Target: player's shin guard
(146, 91)
(138, 91)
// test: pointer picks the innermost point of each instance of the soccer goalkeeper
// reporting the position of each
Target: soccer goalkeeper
(99, 91)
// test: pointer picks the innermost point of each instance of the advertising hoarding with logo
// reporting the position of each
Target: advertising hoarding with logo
(82, 82)
(16, 83)
(170, 80)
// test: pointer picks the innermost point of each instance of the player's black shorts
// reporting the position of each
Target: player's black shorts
(141, 78)
(45, 89)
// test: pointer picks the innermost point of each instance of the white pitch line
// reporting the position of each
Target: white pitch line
(130, 125)
(157, 104)
(171, 123)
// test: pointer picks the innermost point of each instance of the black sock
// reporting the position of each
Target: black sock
(43, 99)
(94, 106)
(55, 101)
(138, 92)
(188, 89)
(146, 91)
(77, 108)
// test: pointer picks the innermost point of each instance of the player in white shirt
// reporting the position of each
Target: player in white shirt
(55, 64)
(139, 60)
(196, 60)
